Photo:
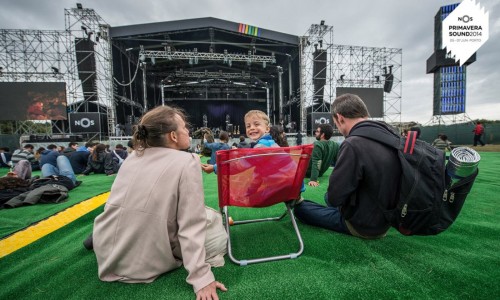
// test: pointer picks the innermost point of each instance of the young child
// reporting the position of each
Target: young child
(257, 129)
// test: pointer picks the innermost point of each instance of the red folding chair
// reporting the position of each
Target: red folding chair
(261, 177)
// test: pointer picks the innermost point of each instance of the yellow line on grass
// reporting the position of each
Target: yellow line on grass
(43, 228)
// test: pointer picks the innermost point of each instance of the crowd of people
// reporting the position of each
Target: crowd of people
(65, 161)
(159, 190)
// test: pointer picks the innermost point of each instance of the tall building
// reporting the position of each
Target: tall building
(449, 77)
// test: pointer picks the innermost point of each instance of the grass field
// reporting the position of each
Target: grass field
(461, 263)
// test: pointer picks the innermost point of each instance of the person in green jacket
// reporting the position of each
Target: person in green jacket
(324, 154)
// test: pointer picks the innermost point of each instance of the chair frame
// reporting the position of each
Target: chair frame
(288, 204)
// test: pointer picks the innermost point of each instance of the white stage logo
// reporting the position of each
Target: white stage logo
(465, 30)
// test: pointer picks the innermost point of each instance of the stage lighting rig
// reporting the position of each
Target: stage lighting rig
(79, 6)
(55, 70)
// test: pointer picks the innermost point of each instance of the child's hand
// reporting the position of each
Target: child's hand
(207, 168)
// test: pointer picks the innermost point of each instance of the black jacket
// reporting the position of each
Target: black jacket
(103, 164)
(78, 161)
(365, 179)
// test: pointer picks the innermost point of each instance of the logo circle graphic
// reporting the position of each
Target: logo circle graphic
(85, 122)
(466, 19)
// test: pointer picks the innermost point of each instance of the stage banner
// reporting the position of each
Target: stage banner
(318, 118)
(84, 122)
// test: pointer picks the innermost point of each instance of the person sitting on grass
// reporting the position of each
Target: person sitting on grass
(101, 162)
(155, 220)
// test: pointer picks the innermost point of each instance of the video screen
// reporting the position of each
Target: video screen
(373, 98)
(21, 101)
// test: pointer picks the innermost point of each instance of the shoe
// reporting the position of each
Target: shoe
(77, 183)
(89, 243)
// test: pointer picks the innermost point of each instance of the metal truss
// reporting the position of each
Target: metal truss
(449, 119)
(345, 66)
(84, 25)
(214, 75)
(194, 56)
(365, 67)
(318, 38)
(33, 56)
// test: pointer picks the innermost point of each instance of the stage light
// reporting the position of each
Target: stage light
(322, 22)
(321, 43)
(79, 6)
(55, 70)
(153, 61)
(84, 29)
(377, 79)
(342, 77)
(142, 57)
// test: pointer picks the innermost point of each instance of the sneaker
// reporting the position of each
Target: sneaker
(77, 183)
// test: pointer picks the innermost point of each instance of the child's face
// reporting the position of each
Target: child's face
(255, 127)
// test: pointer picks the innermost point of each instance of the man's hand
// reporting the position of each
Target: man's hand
(207, 168)
(210, 291)
(313, 183)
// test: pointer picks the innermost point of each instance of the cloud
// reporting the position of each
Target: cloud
(390, 23)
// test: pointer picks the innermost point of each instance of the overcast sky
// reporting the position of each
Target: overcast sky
(384, 23)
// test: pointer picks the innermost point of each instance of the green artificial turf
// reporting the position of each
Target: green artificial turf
(461, 263)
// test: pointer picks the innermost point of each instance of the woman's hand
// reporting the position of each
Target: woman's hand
(210, 291)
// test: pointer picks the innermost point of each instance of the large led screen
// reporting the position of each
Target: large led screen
(373, 98)
(20, 101)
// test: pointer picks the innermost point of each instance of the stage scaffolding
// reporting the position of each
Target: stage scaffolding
(50, 56)
(365, 67)
(317, 38)
(346, 66)
(33, 56)
(85, 25)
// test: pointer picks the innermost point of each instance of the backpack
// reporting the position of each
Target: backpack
(427, 205)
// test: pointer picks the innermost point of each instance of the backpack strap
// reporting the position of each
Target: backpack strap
(120, 160)
(411, 138)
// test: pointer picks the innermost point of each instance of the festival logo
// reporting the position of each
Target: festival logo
(465, 30)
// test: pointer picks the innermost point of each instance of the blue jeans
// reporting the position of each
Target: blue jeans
(315, 214)
(63, 169)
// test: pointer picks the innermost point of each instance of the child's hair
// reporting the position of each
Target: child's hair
(259, 114)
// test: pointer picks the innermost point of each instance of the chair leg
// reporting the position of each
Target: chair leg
(263, 259)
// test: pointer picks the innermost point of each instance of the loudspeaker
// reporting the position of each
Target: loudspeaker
(86, 64)
(319, 74)
(389, 78)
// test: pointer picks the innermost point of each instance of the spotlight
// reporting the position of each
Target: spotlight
(342, 77)
(55, 70)
(377, 79)
(320, 43)
(84, 29)
(153, 61)
(322, 22)
(79, 6)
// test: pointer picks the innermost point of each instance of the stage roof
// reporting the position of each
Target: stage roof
(209, 35)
